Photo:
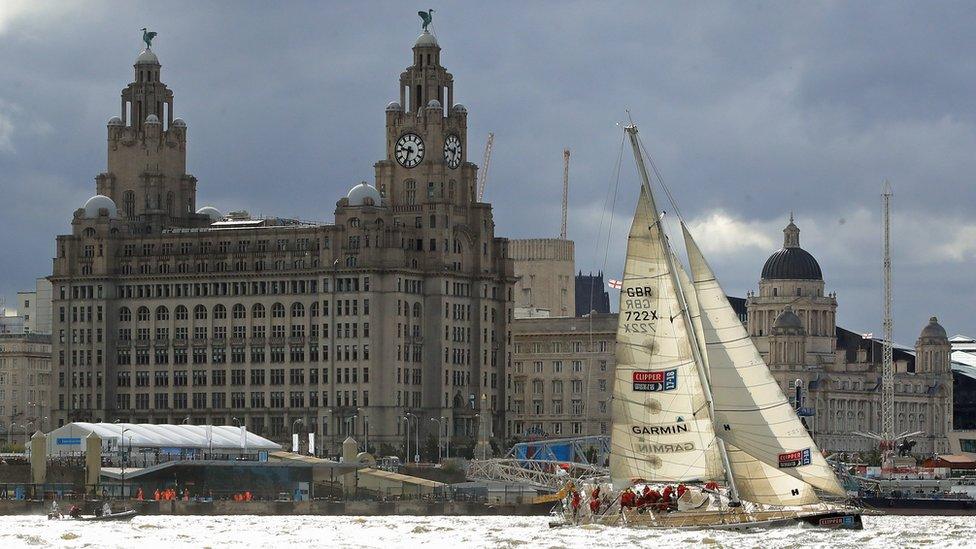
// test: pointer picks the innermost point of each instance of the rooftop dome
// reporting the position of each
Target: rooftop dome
(433, 104)
(358, 195)
(426, 39)
(101, 202)
(788, 320)
(211, 212)
(393, 106)
(934, 330)
(791, 262)
(152, 119)
(179, 122)
(115, 121)
(147, 57)
(459, 108)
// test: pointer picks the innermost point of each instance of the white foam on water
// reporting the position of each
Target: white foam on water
(393, 532)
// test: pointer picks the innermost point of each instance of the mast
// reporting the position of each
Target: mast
(689, 327)
(887, 370)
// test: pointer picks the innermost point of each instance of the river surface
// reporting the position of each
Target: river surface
(394, 532)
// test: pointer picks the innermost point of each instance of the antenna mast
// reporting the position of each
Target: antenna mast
(562, 233)
(485, 164)
(887, 371)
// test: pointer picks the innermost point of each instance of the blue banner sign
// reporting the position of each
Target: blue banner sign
(69, 441)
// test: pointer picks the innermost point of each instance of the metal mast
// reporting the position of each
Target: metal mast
(887, 369)
(485, 164)
(562, 233)
(683, 304)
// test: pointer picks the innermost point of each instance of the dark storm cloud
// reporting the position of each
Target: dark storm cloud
(751, 109)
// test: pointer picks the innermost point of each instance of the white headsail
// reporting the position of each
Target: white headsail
(751, 412)
(754, 481)
(662, 430)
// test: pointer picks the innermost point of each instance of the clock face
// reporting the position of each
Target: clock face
(452, 151)
(409, 150)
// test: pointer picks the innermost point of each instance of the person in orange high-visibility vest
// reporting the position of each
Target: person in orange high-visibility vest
(156, 494)
(139, 494)
(247, 495)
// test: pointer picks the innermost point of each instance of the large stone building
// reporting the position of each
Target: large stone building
(397, 313)
(544, 271)
(792, 321)
(561, 377)
(25, 384)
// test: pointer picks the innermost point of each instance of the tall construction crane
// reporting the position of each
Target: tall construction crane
(485, 164)
(562, 233)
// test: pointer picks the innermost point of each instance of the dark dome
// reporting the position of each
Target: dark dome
(788, 320)
(792, 263)
(934, 330)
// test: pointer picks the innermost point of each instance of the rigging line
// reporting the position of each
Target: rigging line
(611, 198)
(660, 178)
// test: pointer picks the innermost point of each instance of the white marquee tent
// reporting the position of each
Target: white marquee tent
(70, 438)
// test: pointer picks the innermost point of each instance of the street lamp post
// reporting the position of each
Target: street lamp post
(30, 466)
(438, 422)
(122, 430)
(406, 453)
(243, 427)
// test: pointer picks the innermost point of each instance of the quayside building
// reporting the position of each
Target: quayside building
(395, 314)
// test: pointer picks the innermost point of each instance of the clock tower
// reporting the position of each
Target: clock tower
(426, 165)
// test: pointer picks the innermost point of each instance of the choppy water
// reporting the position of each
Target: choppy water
(456, 533)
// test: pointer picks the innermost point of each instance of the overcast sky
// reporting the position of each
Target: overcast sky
(750, 110)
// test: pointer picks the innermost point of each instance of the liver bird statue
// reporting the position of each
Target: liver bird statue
(147, 37)
(427, 17)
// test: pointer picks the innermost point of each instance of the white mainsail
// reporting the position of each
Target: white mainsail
(662, 430)
(754, 481)
(751, 412)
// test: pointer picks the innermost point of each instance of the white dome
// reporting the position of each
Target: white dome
(115, 121)
(179, 122)
(426, 39)
(433, 104)
(393, 106)
(358, 194)
(152, 119)
(101, 202)
(147, 56)
(459, 108)
(211, 212)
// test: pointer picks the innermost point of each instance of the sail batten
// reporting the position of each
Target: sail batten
(752, 415)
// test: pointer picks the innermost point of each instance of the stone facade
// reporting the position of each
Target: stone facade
(544, 268)
(398, 312)
(793, 323)
(25, 384)
(561, 377)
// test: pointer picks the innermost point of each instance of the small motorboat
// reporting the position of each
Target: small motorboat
(121, 515)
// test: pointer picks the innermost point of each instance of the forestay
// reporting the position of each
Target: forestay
(661, 427)
(751, 412)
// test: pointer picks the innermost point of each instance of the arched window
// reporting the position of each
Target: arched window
(200, 312)
(257, 311)
(297, 310)
(125, 315)
(181, 312)
(277, 311)
(239, 312)
(416, 310)
(143, 314)
(162, 313)
(219, 312)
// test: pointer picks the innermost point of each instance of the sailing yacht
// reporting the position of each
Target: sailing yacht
(696, 412)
